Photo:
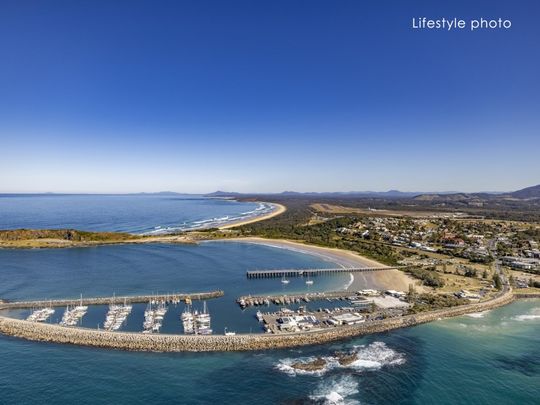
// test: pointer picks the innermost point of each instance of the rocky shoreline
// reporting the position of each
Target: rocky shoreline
(242, 342)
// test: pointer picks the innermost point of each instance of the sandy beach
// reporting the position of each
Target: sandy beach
(388, 279)
(278, 210)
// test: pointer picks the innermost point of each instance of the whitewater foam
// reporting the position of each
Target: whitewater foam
(260, 210)
(531, 316)
(478, 314)
(350, 282)
(336, 391)
(371, 357)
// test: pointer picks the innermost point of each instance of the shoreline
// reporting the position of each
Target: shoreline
(278, 209)
(388, 279)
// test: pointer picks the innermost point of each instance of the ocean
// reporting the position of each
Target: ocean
(477, 359)
(133, 213)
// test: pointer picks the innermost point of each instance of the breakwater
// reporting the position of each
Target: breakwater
(107, 300)
(177, 343)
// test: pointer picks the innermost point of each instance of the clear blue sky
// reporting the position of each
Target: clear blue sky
(265, 96)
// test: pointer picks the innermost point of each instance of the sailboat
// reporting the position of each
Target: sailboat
(309, 281)
(284, 280)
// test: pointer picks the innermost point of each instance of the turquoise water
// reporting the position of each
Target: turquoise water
(495, 359)
(153, 213)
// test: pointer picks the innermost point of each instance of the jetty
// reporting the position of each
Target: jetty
(107, 300)
(249, 300)
(314, 272)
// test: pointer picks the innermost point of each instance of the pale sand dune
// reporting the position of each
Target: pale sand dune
(387, 279)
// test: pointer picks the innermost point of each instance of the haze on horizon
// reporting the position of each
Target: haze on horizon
(266, 96)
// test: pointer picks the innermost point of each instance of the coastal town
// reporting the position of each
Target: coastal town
(431, 263)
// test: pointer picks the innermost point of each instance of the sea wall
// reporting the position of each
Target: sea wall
(178, 343)
(527, 295)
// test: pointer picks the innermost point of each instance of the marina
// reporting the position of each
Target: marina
(73, 315)
(153, 316)
(116, 316)
(286, 299)
(40, 315)
(196, 322)
(295, 332)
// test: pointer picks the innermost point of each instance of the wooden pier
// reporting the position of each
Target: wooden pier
(107, 300)
(313, 272)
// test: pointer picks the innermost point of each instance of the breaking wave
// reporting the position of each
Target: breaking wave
(531, 316)
(371, 357)
(478, 314)
(261, 209)
(336, 391)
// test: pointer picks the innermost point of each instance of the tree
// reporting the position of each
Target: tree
(497, 281)
(485, 274)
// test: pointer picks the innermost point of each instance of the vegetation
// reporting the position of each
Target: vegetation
(429, 276)
(63, 234)
(533, 283)
(497, 281)
(431, 302)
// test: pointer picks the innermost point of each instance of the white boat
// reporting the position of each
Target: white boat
(188, 321)
(284, 280)
(202, 321)
(227, 333)
(259, 316)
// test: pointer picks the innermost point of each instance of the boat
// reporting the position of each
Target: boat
(202, 321)
(309, 281)
(259, 316)
(284, 280)
(227, 333)
(188, 321)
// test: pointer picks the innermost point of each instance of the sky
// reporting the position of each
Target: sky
(267, 95)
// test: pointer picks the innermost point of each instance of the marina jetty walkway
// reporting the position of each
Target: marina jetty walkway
(178, 343)
(314, 272)
(284, 299)
(107, 300)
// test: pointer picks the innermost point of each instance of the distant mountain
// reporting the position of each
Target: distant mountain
(288, 193)
(436, 197)
(162, 193)
(223, 194)
(526, 193)
(445, 197)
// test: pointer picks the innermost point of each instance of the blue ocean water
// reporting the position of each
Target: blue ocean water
(486, 358)
(135, 213)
